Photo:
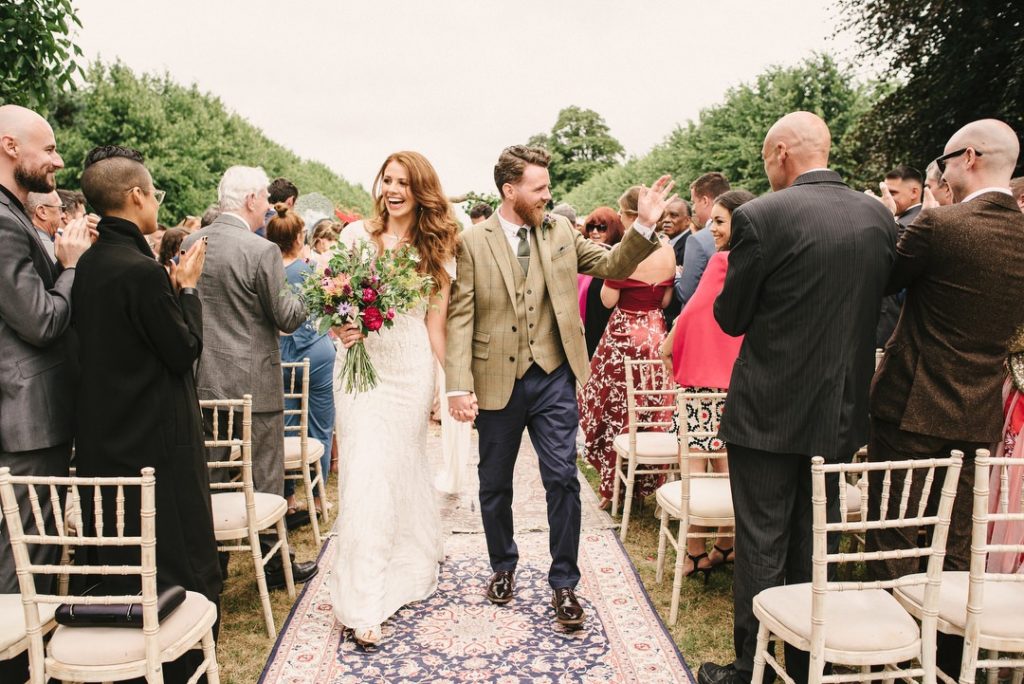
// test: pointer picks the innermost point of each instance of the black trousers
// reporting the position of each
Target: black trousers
(545, 404)
(771, 495)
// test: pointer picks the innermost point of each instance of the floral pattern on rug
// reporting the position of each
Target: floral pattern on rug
(458, 636)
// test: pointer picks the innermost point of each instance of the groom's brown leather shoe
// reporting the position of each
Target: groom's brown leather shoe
(501, 587)
(568, 611)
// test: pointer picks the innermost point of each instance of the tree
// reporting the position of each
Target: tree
(37, 57)
(580, 144)
(187, 137)
(728, 137)
(958, 62)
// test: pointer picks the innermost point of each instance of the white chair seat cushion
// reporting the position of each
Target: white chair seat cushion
(96, 646)
(1002, 614)
(229, 510)
(293, 451)
(869, 621)
(12, 624)
(650, 444)
(710, 497)
(852, 498)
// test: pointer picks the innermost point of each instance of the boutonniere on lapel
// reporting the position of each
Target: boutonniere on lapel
(547, 224)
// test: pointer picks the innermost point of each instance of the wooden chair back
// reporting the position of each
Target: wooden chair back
(102, 532)
(650, 398)
(922, 470)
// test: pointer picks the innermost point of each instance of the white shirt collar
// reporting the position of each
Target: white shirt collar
(510, 229)
(1005, 191)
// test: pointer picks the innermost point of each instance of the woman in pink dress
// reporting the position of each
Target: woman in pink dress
(700, 357)
(635, 331)
(1012, 446)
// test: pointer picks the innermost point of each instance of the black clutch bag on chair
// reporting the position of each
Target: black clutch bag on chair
(117, 615)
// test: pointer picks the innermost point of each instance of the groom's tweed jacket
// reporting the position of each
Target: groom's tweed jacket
(484, 327)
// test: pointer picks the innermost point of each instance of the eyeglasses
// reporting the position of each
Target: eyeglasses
(599, 227)
(940, 162)
(158, 195)
(56, 206)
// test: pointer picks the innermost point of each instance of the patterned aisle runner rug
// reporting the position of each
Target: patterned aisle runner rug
(456, 635)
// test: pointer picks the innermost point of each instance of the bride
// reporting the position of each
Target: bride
(389, 532)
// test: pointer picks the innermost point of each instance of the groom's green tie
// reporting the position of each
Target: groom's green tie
(523, 252)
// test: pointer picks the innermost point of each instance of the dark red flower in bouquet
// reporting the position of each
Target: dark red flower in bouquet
(372, 318)
(369, 295)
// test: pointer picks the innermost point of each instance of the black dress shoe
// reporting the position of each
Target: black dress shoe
(710, 673)
(501, 587)
(568, 611)
(300, 518)
(300, 573)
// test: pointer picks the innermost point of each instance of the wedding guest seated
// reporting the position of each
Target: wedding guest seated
(286, 230)
(603, 227)
(140, 331)
(700, 357)
(635, 330)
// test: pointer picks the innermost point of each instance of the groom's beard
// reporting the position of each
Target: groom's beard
(533, 214)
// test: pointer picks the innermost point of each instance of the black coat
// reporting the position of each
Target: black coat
(137, 403)
(807, 270)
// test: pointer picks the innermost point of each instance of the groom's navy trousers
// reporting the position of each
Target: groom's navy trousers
(545, 404)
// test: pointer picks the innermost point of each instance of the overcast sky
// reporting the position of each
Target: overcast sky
(346, 82)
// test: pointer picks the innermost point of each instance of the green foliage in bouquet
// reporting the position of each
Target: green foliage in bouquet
(363, 287)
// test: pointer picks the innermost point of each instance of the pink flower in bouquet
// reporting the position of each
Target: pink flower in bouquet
(372, 318)
(390, 315)
(369, 295)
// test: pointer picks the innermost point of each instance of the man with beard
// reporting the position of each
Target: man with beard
(36, 407)
(516, 349)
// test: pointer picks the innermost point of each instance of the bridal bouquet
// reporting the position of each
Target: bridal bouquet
(361, 286)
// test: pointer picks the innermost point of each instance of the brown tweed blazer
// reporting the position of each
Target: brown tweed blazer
(963, 268)
(482, 314)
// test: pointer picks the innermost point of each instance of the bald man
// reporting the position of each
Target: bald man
(35, 310)
(939, 386)
(807, 267)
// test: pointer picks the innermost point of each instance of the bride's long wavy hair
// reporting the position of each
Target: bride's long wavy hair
(435, 231)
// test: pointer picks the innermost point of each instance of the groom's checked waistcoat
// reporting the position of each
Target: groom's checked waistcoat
(493, 305)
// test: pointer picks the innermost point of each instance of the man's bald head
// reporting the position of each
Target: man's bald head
(28, 152)
(981, 154)
(796, 143)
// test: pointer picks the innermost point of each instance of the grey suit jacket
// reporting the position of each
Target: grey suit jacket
(807, 269)
(246, 302)
(36, 373)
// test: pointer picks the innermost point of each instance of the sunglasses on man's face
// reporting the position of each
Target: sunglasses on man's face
(599, 227)
(940, 162)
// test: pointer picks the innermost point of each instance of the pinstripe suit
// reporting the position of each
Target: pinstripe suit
(807, 269)
(486, 338)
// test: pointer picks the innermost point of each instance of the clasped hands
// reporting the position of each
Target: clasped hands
(463, 407)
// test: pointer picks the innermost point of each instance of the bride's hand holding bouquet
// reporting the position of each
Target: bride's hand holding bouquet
(360, 292)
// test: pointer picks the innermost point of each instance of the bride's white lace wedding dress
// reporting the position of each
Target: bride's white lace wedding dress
(389, 539)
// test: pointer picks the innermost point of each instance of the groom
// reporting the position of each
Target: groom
(516, 349)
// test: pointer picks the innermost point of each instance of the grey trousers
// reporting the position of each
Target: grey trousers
(267, 449)
(49, 462)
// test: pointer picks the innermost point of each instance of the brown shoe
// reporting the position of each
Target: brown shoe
(501, 587)
(567, 609)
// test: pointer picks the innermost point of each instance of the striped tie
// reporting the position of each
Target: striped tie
(523, 252)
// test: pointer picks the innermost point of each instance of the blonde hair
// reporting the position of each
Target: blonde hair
(434, 234)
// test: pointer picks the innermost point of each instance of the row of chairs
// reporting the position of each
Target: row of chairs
(855, 623)
(239, 514)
